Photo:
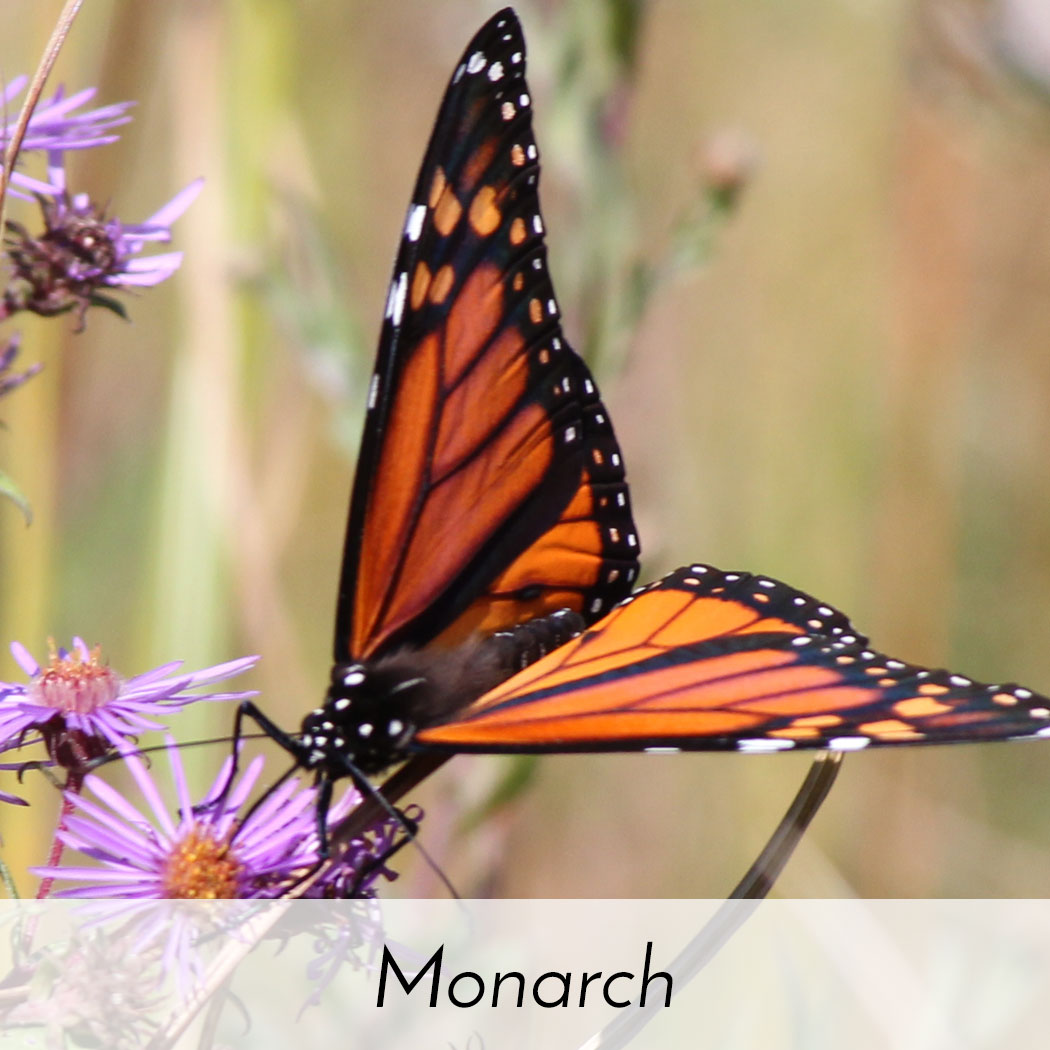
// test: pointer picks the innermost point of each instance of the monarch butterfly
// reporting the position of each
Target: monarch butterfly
(485, 596)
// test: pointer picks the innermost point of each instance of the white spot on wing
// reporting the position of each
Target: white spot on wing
(373, 392)
(848, 743)
(476, 63)
(495, 71)
(761, 745)
(398, 292)
(414, 223)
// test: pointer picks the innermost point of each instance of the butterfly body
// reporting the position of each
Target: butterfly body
(375, 709)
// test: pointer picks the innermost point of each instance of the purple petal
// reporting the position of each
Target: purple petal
(24, 659)
(178, 204)
(15, 86)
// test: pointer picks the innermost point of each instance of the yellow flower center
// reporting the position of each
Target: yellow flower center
(201, 868)
(75, 684)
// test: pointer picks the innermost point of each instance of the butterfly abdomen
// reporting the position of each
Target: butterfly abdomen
(374, 709)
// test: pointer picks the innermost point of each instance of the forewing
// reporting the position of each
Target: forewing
(705, 659)
(489, 486)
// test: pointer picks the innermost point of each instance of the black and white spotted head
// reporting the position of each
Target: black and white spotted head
(365, 721)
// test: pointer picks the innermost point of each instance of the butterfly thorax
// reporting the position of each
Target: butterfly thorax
(374, 709)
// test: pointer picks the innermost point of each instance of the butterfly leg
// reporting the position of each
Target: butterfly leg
(248, 709)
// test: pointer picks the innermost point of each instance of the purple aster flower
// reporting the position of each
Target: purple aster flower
(207, 851)
(83, 253)
(54, 125)
(81, 708)
(10, 380)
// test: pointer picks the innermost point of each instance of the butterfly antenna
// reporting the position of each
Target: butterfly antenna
(113, 756)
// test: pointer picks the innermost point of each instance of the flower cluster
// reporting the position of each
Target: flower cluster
(210, 851)
(219, 847)
(81, 708)
(150, 850)
(82, 251)
(73, 708)
(81, 254)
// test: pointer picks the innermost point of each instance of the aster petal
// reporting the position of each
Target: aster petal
(149, 271)
(115, 835)
(24, 659)
(178, 776)
(212, 795)
(108, 876)
(33, 186)
(153, 675)
(218, 672)
(117, 802)
(14, 87)
(60, 104)
(148, 787)
(240, 791)
(176, 207)
(163, 689)
(236, 797)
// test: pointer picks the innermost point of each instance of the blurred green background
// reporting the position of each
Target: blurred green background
(852, 395)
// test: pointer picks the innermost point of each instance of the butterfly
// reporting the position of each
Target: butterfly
(485, 600)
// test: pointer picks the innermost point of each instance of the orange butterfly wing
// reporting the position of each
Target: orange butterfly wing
(490, 488)
(705, 659)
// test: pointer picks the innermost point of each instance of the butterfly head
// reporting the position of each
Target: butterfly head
(361, 723)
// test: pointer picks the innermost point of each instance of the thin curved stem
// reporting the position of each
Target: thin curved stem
(758, 880)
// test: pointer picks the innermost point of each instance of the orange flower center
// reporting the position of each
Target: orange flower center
(201, 868)
(75, 684)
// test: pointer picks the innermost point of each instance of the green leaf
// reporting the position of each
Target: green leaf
(9, 489)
